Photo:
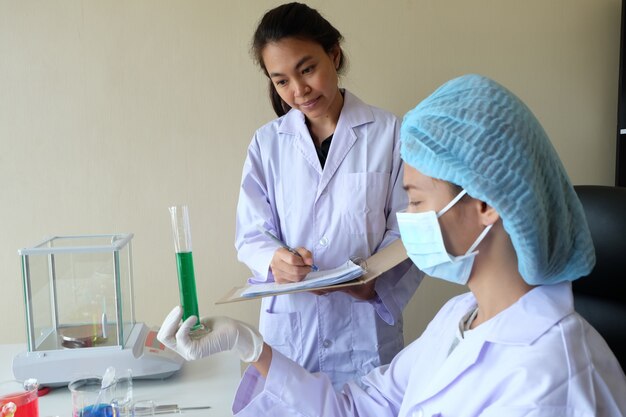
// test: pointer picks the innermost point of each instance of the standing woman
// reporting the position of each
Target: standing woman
(325, 177)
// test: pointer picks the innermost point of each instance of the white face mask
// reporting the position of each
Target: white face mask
(422, 238)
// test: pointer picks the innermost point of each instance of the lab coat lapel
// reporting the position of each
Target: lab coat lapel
(343, 139)
(354, 113)
(521, 324)
(294, 125)
(453, 366)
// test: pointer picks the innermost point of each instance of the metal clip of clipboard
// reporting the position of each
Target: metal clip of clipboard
(360, 262)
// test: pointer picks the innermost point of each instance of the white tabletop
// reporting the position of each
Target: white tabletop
(211, 381)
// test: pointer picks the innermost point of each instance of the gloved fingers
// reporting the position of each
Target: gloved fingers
(182, 335)
(167, 332)
(222, 333)
(233, 334)
(208, 322)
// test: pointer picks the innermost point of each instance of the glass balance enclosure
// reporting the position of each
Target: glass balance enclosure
(80, 319)
(78, 292)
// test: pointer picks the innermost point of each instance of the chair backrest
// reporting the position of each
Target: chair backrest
(600, 297)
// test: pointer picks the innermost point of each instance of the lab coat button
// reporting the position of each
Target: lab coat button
(418, 413)
(324, 241)
(327, 343)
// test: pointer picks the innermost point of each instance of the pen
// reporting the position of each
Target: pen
(283, 244)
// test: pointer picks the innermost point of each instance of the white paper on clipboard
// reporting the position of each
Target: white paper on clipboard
(382, 261)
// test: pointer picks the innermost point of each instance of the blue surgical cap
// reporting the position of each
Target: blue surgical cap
(476, 134)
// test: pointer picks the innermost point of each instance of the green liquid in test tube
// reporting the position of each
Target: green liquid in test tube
(184, 262)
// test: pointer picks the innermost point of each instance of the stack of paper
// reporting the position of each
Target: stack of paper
(378, 264)
(313, 280)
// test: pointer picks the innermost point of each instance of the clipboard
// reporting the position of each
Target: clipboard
(382, 261)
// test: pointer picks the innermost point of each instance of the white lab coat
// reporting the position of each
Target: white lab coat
(537, 358)
(345, 210)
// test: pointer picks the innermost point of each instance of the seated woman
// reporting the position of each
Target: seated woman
(490, 206)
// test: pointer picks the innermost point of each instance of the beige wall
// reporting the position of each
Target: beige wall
(112, 110)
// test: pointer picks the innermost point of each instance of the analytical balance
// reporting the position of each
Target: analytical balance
(80, 319)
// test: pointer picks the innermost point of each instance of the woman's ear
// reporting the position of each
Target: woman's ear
(335, 55)
(488, 214)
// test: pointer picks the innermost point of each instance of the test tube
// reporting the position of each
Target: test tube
(184, 262)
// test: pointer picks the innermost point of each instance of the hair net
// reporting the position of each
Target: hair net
(474, 133)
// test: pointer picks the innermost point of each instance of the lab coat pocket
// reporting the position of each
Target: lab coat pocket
(283, 332)
(365, 197)
(365, 341)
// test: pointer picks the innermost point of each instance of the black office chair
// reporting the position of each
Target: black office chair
(600, 297)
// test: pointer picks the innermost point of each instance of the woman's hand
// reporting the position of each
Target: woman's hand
(219, 334)
(288, 267)
(362, 292)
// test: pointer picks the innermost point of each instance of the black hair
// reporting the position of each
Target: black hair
(294, 20)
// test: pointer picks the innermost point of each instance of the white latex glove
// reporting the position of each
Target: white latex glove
(223, 333)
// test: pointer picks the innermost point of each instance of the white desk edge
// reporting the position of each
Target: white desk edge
(211, 381)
